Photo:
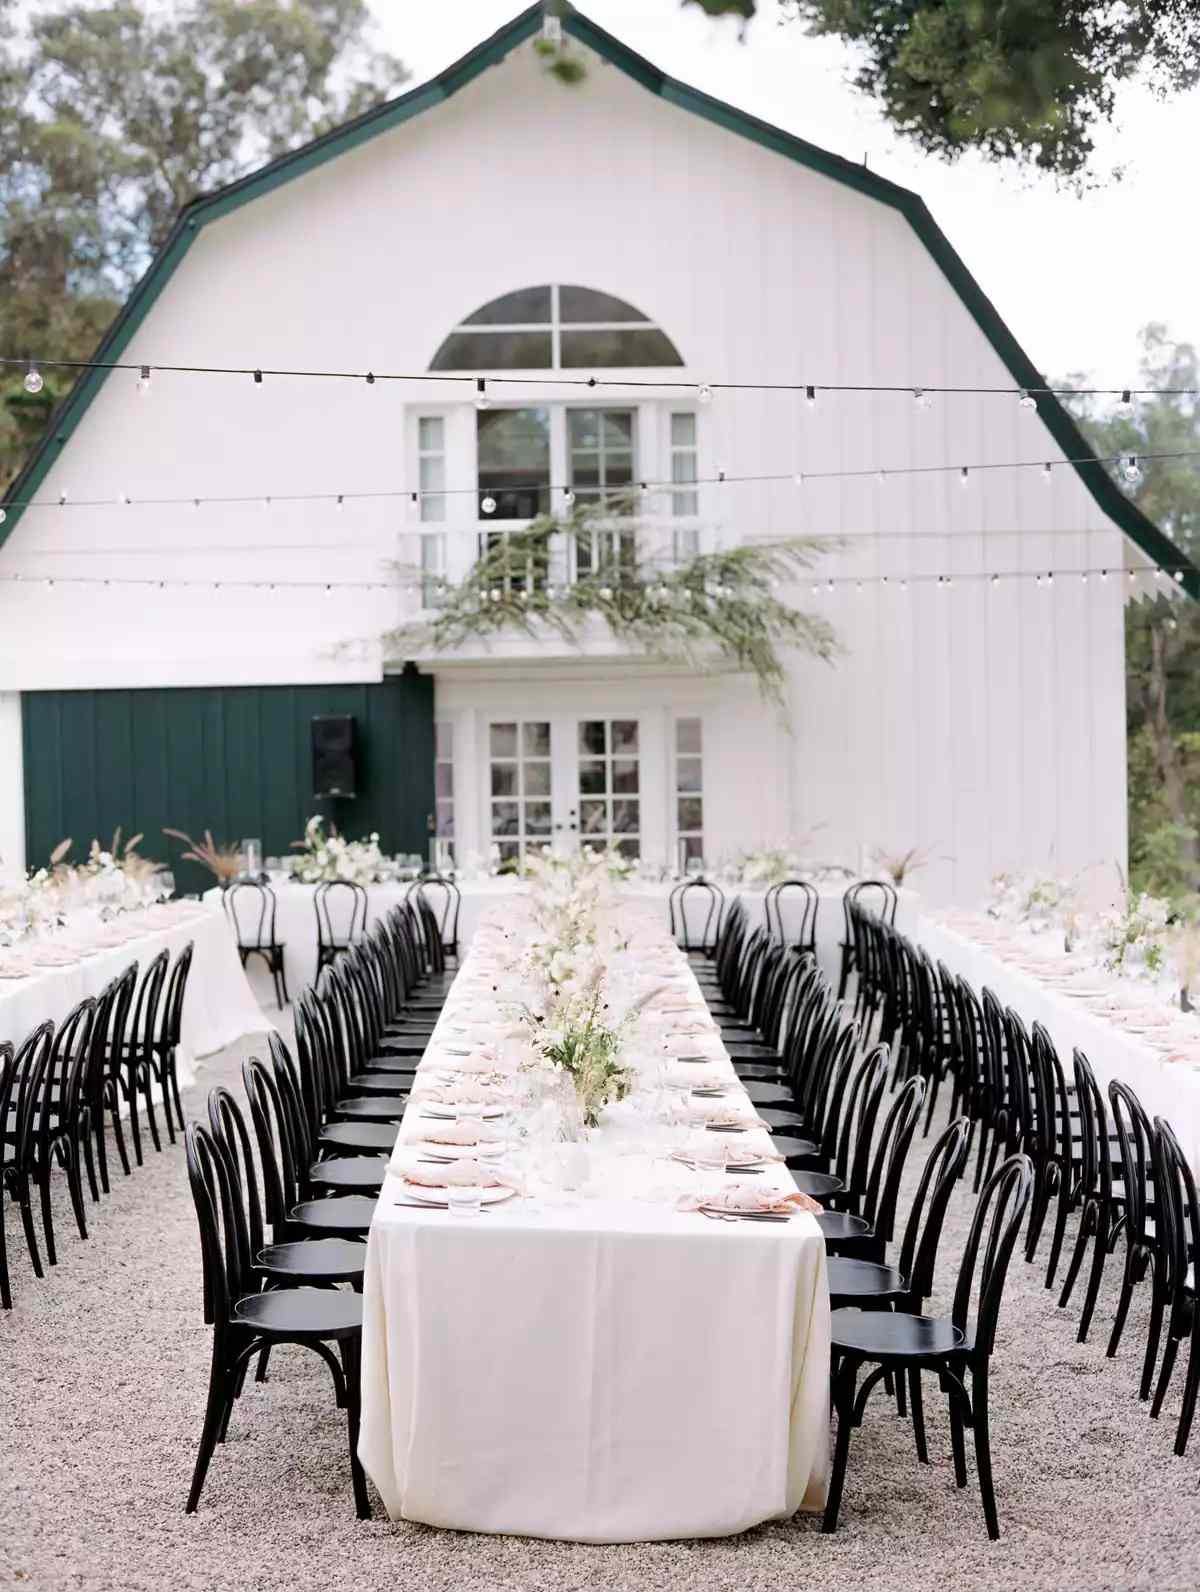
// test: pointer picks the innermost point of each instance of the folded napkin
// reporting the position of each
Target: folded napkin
(723, 1114)
(484, 1061)
(466, 1172)
(749, 1197)
(693, 1077)
(12, 967)
(464, 1092)
(54, 956)
(458, 1134)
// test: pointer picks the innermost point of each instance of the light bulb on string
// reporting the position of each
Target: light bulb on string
(704, 393)
(920, 398)
(3, 515)
(1026, 399)
(568, 499)
(33, 382)
(143, 381)
(1125, 402)
(482, 401)
(881, 477)
(488, 505)
(341, 501)
(1083, 577)
(810, 397)
(798, 479)
(62, 498)
(964, 477)
(829, 585)
(1131, 470)
(258, 378)
(1047, 473)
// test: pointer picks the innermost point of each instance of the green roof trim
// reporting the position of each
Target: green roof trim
(1095, 476)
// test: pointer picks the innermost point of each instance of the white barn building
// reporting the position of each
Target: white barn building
(161, 656)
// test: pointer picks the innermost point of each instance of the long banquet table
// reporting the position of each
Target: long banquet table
(612, 1369)
(296, 922)
(219, 1007)
(1167, 1087)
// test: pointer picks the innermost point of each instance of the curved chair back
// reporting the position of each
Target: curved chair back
(172, 1024)
(224, 1235)
(229, 1129)
(999, 1212)
(1135, 1136)
(280, 1186)
(708, 902)
(923, 1230)
(887, 1165)
(444, 900)
(341, 909)
(250, 906)
(805, 938)
(31, 1066)
(70, 1056)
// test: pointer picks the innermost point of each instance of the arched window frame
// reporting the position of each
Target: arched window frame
(554, 328)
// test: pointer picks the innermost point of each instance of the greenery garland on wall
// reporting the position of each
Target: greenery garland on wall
(723, 602)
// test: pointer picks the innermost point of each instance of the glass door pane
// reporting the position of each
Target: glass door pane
(519, 786)
(609, 775)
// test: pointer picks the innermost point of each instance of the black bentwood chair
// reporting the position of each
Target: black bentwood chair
(246, 1321)
(950, 1347)
(341, 908)
(253, 917)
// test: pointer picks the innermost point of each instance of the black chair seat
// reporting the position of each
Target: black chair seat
(795, 1147)
(737, 1034)
(759, 1071)
(365, 1138)
(861, 1279)
(378, 1085)
(818, 1184)
(349, 1172)
(414, 1044)
(765, 1054)
(775, 1117)
(393, 1066)
(302, 1313)
(887, 1335)
(770, 1092)
(377, 1108)
(343, 1213)
(315, 1260)
(838, 1226)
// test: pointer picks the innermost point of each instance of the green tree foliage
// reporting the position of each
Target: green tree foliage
(114, 116)
(1162, 637)
(1027, 80)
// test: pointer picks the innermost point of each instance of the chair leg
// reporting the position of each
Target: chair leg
(173, 1074)
(135, 1129)
(5, 1289)
(1041, 1204)
(983, 1452)
(1060, 1225)
(918, 1413)
(43, 1183)
(957, 1439)
(75, 1188)
(1190, 1388)
(89, 1161)
(1164, 1375)
(100, 1137)
(264, 1360)
(350, 1363)
(1123, 1303)
(1099, 1255)
(215, 1415)
(1157, 1307)
(147, 1073)
(1087, 1217)
(843, 1403)
(26, 1203)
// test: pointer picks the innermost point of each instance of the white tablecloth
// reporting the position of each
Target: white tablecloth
(609, 1371)
(1167, 1089)
(219, 1006)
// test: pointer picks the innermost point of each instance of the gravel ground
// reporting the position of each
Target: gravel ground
(104, 1376)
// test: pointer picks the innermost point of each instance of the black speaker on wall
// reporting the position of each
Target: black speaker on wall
(333, 755)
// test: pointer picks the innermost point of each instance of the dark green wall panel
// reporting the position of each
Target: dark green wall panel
(233, 759)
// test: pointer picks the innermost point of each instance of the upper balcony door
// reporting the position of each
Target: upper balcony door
(570, 779)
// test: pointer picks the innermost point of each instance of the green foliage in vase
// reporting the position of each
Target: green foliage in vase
(722, 603)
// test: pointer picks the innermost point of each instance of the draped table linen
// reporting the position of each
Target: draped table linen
(1166, 1088)
(219, 1006)
(611, 1370)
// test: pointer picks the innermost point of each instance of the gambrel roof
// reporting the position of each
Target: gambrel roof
(1095, 476)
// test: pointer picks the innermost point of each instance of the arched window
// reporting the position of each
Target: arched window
(555, 328)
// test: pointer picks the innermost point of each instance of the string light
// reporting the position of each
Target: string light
(1126, 395)
(810, 397)
(143, 381)
(1047, 473)
(964, 477)
(482, 401)
(704, 393)
(33, 382)
(1131, 471)
(1125, 402)
(798, 478)
(1026, 399)
(920, 398)
(488, 505)
(258, 379)
(370, 378)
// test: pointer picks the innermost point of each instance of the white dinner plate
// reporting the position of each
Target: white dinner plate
(438, 1199)
(450, 1113)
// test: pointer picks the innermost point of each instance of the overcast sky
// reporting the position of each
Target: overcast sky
(1074, 277)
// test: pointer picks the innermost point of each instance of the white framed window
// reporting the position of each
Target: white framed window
(431, 479)
(519, 786)
(689, 787)
(443, 783)
(685, 504)
(610, 803)
(556, 326)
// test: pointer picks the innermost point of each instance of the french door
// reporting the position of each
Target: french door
(568, 781)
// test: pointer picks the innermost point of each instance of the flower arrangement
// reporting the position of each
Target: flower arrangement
(770, 866)
(582, 1045)
(224, 862)
(330, 856)
(1137, 936)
